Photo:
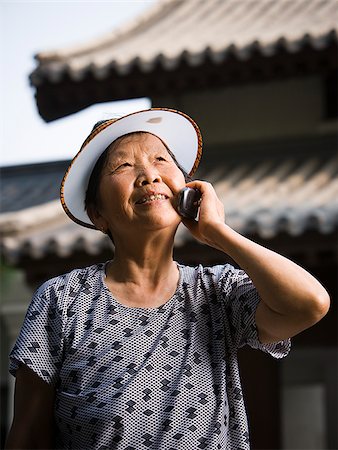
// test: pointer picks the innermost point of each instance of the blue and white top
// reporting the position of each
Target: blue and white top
(127, 378)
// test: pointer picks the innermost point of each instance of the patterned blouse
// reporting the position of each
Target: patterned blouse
(129, 378)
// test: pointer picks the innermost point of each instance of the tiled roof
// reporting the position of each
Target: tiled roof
(43, 230)
(289, 194)
(30, 184)
(194, 31)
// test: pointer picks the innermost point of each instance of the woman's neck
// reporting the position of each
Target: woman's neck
(144, 279)
(142, 261)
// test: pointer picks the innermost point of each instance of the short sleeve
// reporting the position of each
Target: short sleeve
(241, 299)
(40, 342)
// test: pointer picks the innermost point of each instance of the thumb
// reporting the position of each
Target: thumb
(191, 224)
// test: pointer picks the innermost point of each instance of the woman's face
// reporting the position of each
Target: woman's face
(138, 187)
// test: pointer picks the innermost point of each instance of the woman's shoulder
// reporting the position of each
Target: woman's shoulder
(70, 280)
(212, 272)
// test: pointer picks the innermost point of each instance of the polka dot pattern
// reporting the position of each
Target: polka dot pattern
(144, 378)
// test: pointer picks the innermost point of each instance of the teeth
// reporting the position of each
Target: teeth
(150, 198)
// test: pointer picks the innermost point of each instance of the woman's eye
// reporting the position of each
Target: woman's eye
(160, 158)
(121, 166)
(126, 164)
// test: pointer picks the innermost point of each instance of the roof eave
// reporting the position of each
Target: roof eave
(66, 95)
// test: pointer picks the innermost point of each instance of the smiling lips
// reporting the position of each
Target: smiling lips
(150, 198)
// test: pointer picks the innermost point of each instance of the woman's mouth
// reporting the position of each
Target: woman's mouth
(151, 198)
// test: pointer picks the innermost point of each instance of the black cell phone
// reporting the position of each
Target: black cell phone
(188, 202)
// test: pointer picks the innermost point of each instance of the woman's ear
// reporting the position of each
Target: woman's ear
(97, 219)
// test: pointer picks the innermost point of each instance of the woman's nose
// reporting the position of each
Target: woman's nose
(148, 176)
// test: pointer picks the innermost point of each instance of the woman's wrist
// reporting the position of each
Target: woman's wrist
(220, 236)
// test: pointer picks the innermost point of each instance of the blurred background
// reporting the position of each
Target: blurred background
(260, 79)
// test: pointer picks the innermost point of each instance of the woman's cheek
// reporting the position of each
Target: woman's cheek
(177, 178)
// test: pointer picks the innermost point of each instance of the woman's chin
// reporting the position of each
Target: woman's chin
(158, 222)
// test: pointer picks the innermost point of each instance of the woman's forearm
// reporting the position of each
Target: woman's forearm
(33, 424)
(291, 299)
(22, 437)
(283, 286)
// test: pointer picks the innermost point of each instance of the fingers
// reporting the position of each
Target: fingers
(201, 185)
(211, 213)
(206, 188)
(210, 203)
(191, 224)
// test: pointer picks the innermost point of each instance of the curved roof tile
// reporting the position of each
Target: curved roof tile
(195, 30)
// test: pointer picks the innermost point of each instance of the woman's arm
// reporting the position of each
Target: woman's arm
(291, 299)
(32, 426)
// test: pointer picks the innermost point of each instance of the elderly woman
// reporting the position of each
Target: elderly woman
(141, 351)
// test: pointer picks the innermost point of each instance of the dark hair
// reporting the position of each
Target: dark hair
(92, 198)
